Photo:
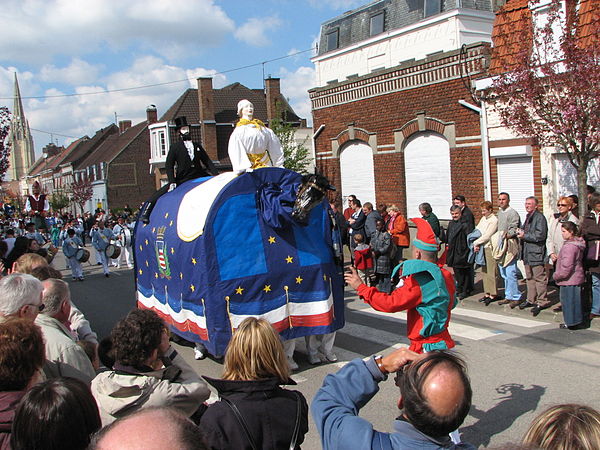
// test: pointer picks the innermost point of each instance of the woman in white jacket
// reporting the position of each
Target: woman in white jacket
(488, 225)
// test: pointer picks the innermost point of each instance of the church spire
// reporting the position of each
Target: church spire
(22, 154)
(18, 105)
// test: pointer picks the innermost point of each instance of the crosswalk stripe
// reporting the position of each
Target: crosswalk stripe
(510, 320)
(456, 329)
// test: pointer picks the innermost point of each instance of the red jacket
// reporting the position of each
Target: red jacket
(398, 228)
(363, 259)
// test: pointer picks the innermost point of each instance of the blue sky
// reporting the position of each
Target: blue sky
(93, 46)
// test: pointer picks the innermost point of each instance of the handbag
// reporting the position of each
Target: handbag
(592, 252)
(242, 422)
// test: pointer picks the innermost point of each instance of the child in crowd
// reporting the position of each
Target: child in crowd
(382, 245)
(363, 258)
(570, 275)
(70, 247)
(54, 235)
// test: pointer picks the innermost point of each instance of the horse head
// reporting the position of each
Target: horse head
(311, 193)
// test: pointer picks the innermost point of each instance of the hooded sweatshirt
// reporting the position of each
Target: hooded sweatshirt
(569, 265)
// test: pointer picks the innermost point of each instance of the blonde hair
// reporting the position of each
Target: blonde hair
(29, 261)
(565, 427)
(255, 352)
(393, 208)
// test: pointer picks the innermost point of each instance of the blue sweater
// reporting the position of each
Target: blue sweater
(335, 411)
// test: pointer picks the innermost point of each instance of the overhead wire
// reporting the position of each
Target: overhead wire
(131, 88)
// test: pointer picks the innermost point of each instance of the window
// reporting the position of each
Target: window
(162, 143)
(332, 40)
(377, 24)
(432, 7)
(103, 170)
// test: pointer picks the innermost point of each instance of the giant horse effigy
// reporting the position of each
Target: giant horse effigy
(219, 249)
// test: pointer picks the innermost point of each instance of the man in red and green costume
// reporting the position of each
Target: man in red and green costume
(425, 290)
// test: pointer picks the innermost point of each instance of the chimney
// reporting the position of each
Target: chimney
(208, 125)
(151, 114)
(272, 92)
(124, 125)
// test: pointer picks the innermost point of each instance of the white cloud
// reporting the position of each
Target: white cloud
(41, 29)
(295, 86)
(78, 72)
(85, 114)
(253, 32)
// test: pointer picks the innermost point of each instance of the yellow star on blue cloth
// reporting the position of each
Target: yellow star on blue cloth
(153, 229)
(289, 259)
(141, 271)
(194, 261)
(267, 288)
(192, 287)
(155, 275)
(180, 276)
(166, 215)
(271, 239)
(239, 290)
(141, 247)
(172, 251)
(171, 223)
(299, 280)
(146, 241)
(147, 265)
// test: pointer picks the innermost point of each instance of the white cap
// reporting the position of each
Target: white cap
(241, 105)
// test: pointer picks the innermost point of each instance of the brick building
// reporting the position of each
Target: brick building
(118, 169)
(393, 114)
(212, 114)
(518, 165)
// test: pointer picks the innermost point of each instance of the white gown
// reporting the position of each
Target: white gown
(253, 139)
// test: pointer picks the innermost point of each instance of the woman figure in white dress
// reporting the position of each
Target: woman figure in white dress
(252, 145)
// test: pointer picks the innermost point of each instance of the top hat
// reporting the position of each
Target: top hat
(181, 122)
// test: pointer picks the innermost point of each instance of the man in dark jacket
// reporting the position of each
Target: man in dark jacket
(590, 231)
(458, 252)
(186, 160)
(371, 218)
(533, 238)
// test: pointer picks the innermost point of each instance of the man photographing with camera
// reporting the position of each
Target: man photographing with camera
(435, 398)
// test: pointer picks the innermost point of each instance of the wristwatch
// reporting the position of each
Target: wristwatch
(379, 361)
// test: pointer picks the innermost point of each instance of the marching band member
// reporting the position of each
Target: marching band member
(70, 246)
(123, 233)
(101, 237)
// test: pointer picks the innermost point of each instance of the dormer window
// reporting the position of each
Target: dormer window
(432, 7)
(333, 40)
(377, 24)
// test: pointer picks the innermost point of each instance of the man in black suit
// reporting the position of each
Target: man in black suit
(186, 160)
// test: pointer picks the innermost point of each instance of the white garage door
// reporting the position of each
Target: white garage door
(566, 175)
(427, 170)
(515, 176)
(356, 165)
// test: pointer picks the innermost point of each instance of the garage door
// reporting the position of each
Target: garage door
(566, 175)
(356, 165)
(515, 176)
(427, 170)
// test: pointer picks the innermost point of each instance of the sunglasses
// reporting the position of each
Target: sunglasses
(561, 204)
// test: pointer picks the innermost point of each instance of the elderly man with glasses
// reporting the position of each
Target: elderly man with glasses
(20, 297)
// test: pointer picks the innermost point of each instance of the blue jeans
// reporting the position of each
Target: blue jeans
(509, 274)
(595, 293)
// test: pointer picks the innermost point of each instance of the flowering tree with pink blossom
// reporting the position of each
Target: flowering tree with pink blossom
(82, 191)
(4, 144)
(550, 90)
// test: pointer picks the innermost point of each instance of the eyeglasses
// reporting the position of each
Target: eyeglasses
(561, 204)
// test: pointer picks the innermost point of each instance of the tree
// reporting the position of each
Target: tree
(59, 200)
(82, 191)
(4, 145)
(296, 156)
(551, 89)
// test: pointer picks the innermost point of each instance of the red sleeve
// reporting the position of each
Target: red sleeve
(401, 299)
